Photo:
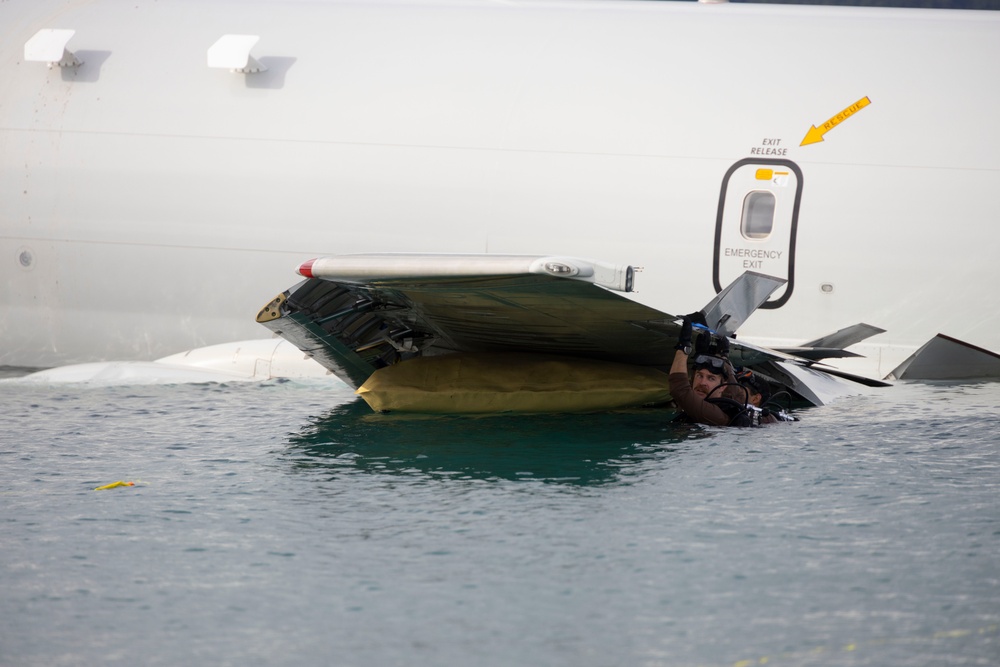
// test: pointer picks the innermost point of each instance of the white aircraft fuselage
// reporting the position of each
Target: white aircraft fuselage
(150, 203)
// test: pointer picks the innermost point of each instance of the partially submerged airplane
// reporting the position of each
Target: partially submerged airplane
(164, 166)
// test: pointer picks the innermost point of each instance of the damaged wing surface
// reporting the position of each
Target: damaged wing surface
(358, 313)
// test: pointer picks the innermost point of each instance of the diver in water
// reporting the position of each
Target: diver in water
(758, 395)
(713, 375)
(716, 395)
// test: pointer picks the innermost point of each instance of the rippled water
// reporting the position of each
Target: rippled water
(283, 523)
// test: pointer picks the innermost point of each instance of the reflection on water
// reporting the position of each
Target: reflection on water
(577, 449)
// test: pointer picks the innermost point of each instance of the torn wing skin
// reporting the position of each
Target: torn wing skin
(355, 314)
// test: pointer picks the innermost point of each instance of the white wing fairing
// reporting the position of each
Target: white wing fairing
(358, 314)
(378, 267)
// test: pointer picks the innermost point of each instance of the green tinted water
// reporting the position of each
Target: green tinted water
(285, 524)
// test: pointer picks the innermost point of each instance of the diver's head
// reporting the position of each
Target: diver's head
(757, 390)
(708, 374)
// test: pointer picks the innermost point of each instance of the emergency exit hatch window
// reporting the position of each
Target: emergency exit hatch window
(758, 215)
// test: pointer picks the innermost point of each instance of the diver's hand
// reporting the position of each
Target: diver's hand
(697, 317)
(684, 338)
(722, 347)
(703, 343)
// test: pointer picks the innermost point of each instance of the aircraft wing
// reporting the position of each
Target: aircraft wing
(356, 314)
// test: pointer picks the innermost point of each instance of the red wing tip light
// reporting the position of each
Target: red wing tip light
(306, 268)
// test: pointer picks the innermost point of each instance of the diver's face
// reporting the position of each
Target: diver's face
(754, 399)
(705, 381)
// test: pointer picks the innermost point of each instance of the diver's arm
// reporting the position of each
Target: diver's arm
(680, 364)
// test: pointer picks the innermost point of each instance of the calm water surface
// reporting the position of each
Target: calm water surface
(284, 524)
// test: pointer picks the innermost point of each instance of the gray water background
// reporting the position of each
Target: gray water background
(285, 524)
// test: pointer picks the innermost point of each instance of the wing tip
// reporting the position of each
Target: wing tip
(305, 269)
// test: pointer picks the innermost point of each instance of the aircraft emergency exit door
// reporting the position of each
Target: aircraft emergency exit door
(755, 227)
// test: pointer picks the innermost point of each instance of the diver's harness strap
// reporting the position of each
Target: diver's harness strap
(740, 414)
(745, 414)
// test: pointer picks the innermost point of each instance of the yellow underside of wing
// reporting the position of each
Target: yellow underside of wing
(489, 383)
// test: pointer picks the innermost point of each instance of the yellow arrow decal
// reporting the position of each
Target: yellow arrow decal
(815, 134)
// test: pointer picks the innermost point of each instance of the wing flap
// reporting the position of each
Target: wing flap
(832, 345)
(732, 306)
(845, 337)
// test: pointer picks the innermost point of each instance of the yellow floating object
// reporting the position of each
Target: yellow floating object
(488, 383)
(114, 485)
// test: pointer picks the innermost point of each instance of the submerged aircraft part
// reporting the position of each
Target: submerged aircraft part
(947, 358)
(367, 312)
(470, 333)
